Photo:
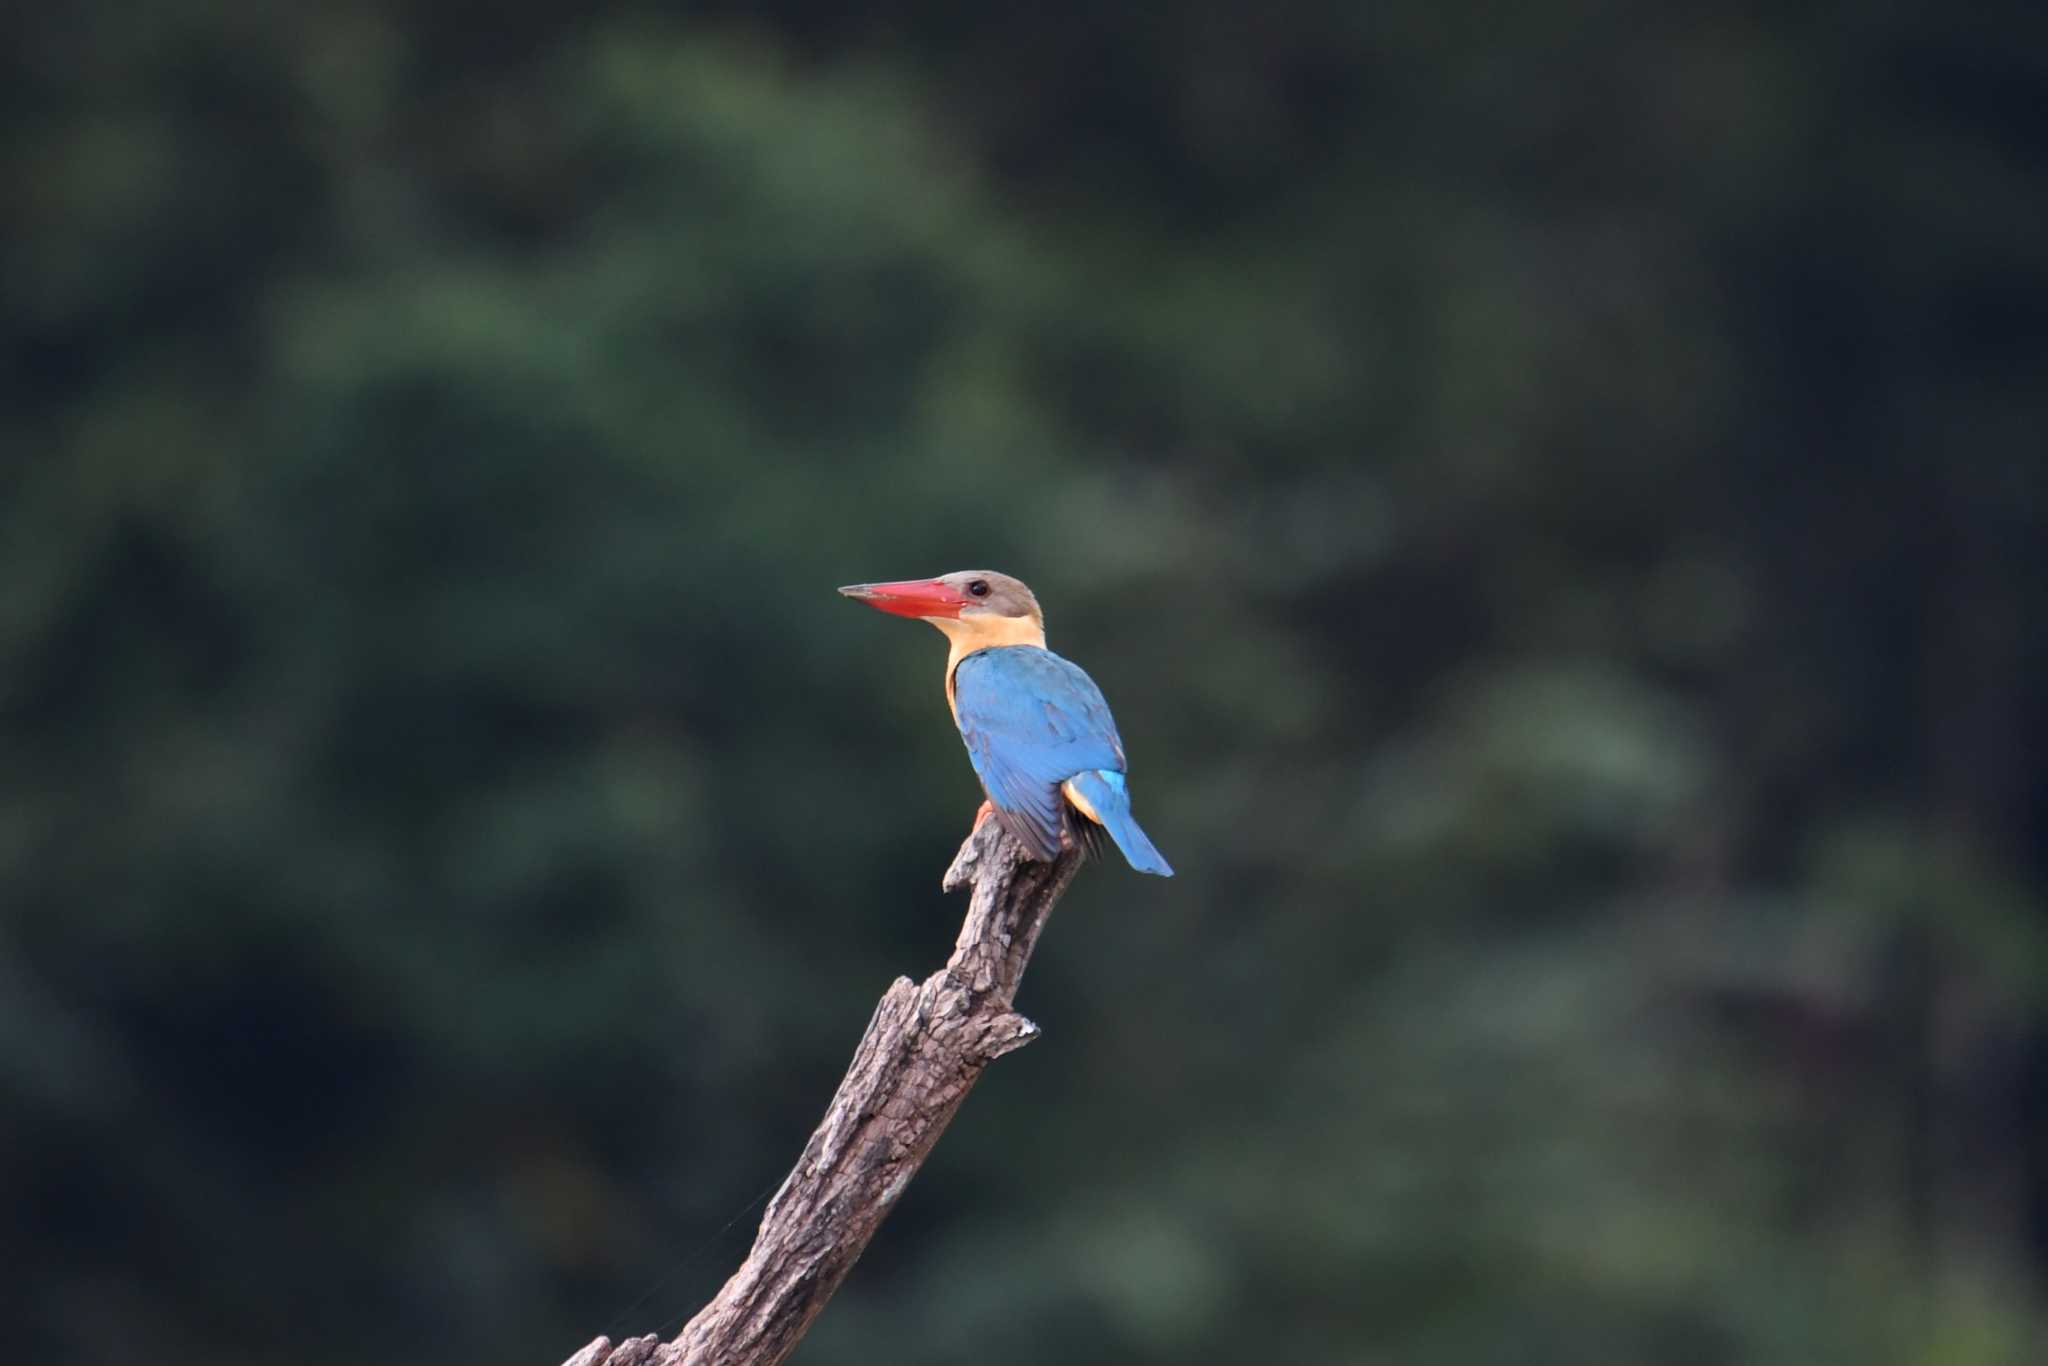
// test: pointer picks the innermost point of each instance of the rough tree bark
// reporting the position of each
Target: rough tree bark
(924, 1049)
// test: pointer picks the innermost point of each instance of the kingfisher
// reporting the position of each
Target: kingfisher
(1038, 733)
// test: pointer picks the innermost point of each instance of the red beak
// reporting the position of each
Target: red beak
(910, 597)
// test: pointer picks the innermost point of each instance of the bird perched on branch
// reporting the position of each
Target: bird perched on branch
(1037, 730)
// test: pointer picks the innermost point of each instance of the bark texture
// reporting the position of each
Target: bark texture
(923, 1051)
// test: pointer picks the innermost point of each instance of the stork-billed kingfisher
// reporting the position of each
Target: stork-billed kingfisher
(1037, 730)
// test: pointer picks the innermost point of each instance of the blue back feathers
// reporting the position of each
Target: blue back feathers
(1031, 721)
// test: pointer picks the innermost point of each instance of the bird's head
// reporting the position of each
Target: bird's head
(972, 601)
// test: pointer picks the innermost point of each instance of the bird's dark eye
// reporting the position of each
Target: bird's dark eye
(979, 588)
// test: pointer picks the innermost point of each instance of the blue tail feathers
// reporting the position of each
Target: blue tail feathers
(1104, 791)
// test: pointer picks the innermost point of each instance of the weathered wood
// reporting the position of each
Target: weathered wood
(923, 1051)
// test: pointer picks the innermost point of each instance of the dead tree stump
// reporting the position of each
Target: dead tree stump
(923, 1051)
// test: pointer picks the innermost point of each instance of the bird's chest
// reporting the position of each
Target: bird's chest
(961, 649)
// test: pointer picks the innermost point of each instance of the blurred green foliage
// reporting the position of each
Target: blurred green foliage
(1554, 493)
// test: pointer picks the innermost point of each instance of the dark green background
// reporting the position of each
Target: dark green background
(1555, 493)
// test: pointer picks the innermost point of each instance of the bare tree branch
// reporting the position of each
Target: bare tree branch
(923, 1051)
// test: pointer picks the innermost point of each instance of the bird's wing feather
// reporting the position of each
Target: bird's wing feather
(1032, 720)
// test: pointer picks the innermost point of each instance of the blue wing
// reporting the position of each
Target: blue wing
(1031, 721)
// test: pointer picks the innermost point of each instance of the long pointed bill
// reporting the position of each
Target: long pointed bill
(910, 597)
